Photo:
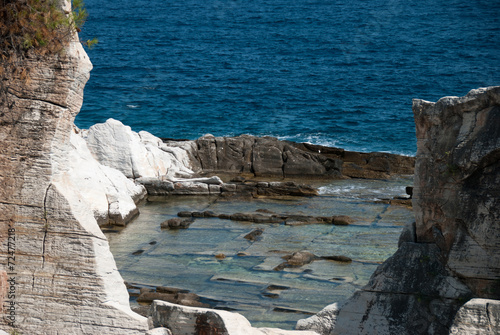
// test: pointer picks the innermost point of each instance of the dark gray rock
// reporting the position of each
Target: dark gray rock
(417, 299)
(342, 220)
(408, 234)
(340, 258)
(254, 234)
(263, 157)
(299, 258)
(177, 223)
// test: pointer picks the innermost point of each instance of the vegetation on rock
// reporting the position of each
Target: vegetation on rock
(32, 31)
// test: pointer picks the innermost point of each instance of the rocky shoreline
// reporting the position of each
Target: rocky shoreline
(255, 167)
(59, 184)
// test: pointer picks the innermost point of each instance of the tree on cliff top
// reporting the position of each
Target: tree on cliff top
(34, 30)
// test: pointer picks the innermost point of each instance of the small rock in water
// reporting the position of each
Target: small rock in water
(300, 258)
(184, 214)
(171, 290)
(270, 295)
(220, 256)
(176, 223)
(138, 252)
(343, 259)
(210, 214)
(342, 220)
(238, 179)
(242, 217)
(254, 235)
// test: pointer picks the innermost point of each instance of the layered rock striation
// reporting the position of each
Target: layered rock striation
(270, 157)
(456, 194)
(452, 252)
(58, 275)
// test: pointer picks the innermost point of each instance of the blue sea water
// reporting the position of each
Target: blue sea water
(329, 72)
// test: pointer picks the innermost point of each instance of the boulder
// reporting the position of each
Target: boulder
(342, 220)
(197, 320)
(177, 223)
(300, 258)
(111, 196)
(254, 234)
(323, 322)
(477, 316)
(159, 331)
(339, 258)
(138, 155)
(297, 259)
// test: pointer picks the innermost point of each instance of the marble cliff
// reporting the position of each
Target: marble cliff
(58, 275)
(452, 252)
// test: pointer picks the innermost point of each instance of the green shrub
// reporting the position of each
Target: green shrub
(35, 29)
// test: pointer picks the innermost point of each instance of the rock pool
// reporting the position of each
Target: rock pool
(245, 280)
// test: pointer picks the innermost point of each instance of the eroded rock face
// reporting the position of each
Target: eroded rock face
(111, 196)
(262, 157)
(270, 157)
(452, 253)
(456, 194)
(139, 155)
(66, 279)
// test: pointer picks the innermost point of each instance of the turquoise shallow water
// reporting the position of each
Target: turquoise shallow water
(330, 72)
(186, 258)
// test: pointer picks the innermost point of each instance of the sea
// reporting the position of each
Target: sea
(329, 72)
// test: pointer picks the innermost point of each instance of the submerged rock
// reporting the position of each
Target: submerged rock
(297, 259)
(176, 223)
(300, 258)
(254, 234)
(181, 297)
(342, 220)
(271, 217)
(340, 258)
